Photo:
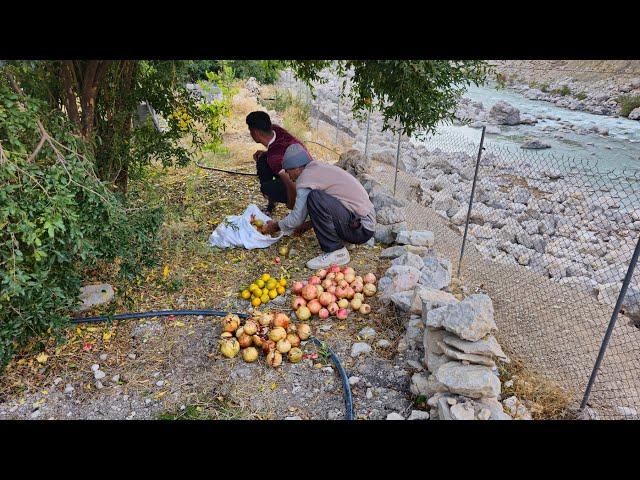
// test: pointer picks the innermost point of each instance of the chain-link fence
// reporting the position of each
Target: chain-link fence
(550, 239)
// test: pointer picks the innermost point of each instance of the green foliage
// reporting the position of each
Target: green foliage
(544, 87)
(264, 71)
(628, 103)
(412, 95)
(564, 91)
(56, 219)
(581, 95)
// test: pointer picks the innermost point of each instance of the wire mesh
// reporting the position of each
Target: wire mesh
(550, 240)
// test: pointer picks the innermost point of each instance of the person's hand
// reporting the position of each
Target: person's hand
(301, 229)
(257, 154)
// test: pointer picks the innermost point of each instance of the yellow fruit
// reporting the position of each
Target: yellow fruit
(266, 277)
(280, 290)
(258, 223)
(283, 282)
(260, 283)
(265, 298)
(273, 294)
(271, 284)
(246, 294)
(252, 287)
(256, 302)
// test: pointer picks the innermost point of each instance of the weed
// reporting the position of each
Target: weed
(628, 103)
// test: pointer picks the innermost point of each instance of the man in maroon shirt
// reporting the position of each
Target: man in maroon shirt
(275, 184)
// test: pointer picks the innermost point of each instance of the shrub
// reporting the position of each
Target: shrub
(564, 91)
(56, 220)
(628, 103)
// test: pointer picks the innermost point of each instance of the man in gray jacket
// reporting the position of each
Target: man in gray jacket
(337, 204)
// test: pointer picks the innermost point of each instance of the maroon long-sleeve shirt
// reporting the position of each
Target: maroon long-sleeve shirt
(275, 151)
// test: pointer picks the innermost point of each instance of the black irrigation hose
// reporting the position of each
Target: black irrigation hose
(226, 171)
(348, 400)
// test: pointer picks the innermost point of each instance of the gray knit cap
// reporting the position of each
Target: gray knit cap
(295, 156)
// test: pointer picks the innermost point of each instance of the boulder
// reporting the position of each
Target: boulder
(436, 272)
(635, 114)
(398, 250)
(534, 145)
(409, 259)
(473, 381)
(487, 346)
(93, 295)
(502, 113)
(426, 298)
(470, 319)
(416, 238)
(389, 215)
(354, 162)
(462, 411)
(454, 354)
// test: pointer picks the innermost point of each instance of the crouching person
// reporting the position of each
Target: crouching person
(337, 205)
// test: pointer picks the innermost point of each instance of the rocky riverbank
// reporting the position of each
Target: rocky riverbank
(591, 86)
(538, 213)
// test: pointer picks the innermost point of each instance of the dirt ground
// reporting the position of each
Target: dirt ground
(170, 368)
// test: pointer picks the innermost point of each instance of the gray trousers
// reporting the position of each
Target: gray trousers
(333, 223)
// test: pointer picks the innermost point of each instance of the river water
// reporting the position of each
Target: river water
(619, 149)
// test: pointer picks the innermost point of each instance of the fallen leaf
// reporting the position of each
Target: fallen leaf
(42, 357)
(39, 403)
(274, 386)
(165, 272)
(87, 346)
(106, 336)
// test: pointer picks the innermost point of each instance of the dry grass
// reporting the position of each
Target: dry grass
(544, 398)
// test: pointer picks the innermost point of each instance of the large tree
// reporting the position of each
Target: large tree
(412, 95)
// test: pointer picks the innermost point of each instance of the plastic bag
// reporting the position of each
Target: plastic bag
(237, 231)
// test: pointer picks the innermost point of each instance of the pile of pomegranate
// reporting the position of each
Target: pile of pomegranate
(333, 291)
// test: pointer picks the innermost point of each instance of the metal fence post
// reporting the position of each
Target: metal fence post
(473, 189)
(612, 324)
(338, 117)
(366, 142)
(395, 180)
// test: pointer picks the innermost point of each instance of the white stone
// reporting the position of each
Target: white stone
(436, 272)
(418, 415)
(426, 298)
(395, 416)
(457, 355)
(409, 259)
(354, 380)
(462, 411)
(93, 295)
(415, 237)
(383, 343)
(367, 333)
(487, 346)
(360, 348)
(474, 381)
(99, 374)
(470, 319)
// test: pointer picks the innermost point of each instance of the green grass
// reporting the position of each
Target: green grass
(628, 103)
(218, 410)
(581, 95)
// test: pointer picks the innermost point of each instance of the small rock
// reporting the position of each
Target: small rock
(326, 327)
(360, 348)
(132, 356)
(484, 414)
(462, 411)
(418, 415)
(57, 380)
(115, 378)
(95, 367)
(508, 384)
(367, 333)
(354, 380)
(293, 418)
(99, 385)
(383, 343)
(334, 414)
(68, 388)
(160, 383)
(103, 357)
(99, 374)
(369, 393)
(535, 145)
(395, 416)
(328, 370)
(414, 364)
(451, 401)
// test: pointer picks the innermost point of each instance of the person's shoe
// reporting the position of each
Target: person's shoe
(339, 257)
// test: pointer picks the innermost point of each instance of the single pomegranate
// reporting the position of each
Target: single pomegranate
(281, 320)
(325, 299)
(342, 314)
(315, 280)
(339, 276)
(334, 268)
(365, 308)
(314, 306)
(356, 303)
(333, 308)
(303, 313)
(369, 278)
(321, 273)
(309, 292)
(343, 303)
(323, 313)
(341, 292)
(369, 289)
(332, 289)
(326, 283)
(348, 271)
(297, 287)
(349, 277)
(343, 284)
(298, 302)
